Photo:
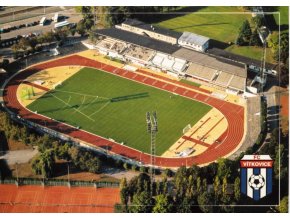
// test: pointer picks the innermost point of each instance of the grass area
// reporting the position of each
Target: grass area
(190, 82)
(252, 52)
(284, 15)
(222, 27)
(114, 107)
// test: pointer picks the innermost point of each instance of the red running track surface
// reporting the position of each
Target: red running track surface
(232, 112)
(53, 199)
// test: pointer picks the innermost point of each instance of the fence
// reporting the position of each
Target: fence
(57, 182)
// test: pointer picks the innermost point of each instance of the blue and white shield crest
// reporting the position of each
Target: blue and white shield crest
(256, 176)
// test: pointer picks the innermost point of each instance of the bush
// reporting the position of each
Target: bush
(126, 166)
(167, 173)
(134, 168)
(143, 169)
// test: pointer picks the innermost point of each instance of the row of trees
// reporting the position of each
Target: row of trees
(248, 37)
(281, 54)
(105, 16)
(189, 191)
(50, 149)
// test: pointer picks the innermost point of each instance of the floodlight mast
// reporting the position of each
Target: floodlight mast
(152, 128)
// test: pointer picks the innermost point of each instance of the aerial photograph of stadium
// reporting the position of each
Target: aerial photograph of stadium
(144, 109)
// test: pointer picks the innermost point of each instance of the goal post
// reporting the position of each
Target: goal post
(186, 129)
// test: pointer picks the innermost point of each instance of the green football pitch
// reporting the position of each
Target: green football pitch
(114, 107)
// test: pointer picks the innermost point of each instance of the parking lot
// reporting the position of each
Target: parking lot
(69, 14)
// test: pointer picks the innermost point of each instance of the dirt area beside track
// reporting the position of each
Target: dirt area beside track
(201, 135)
(47, 79)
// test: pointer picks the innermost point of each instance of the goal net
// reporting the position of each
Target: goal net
(186, 129)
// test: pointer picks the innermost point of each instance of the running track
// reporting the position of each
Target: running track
(229, 140)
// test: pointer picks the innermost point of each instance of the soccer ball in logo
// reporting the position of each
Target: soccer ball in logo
(256, 181)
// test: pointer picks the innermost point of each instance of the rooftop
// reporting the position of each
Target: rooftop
(212, 62)
(149, 27)
(193, 38)
(239, 58)
(140, 40)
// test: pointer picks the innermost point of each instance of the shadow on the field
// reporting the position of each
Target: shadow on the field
(130, 97)
(203, 24)
(81, 107)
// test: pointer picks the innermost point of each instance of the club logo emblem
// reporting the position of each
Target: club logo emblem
(256, 176)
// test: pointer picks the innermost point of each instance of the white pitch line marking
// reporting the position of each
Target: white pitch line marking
(73, 108)
(99, 109)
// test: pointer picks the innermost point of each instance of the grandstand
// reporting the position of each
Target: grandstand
(237, 83)
(201, 72)
(176, 60)
(138, 55)
(111, 47)
(168, 62)
(223, 78)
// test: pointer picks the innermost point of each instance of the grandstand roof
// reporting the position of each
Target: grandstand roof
(212, 62)
(149, 27)
(193, 38)
(140, 40)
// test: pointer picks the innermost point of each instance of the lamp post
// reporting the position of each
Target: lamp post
(152, 129)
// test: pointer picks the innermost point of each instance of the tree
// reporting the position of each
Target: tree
(204, 200)
(23, 43)
(239, 41)
(284, 47)
(184, 206)
(142, 203)
(223, 168)
(81, 28)
(44, 163)
(33, 43)
(284, 76)
(48, 37)
(237, 189)
(258, 21)
(48, 162)
(124, 194)
(94, 165)
(245, 30)
(62, 151)
(255, 39)
(217, 188)
(74, 153)
(164, 204)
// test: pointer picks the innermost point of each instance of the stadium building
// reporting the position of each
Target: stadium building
(138, 27)
(194, 41)
(158, 53)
